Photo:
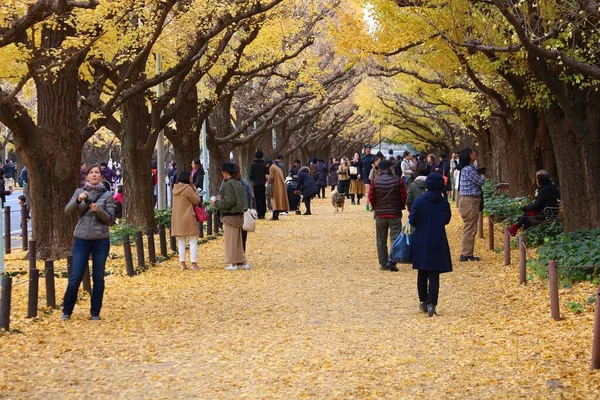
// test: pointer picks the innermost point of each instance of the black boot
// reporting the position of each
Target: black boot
(423, 306)
(431, 310)
(352, 197)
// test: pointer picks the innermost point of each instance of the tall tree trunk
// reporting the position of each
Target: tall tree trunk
(220, 126)
(576, 142)
(52, 154)
(138, 146)
(186, 138)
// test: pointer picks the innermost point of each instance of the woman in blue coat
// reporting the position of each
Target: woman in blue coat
(307, 187)
(429, 215)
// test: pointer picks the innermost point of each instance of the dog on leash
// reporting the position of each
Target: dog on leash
(338, 199)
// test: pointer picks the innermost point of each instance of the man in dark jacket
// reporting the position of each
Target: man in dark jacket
(198, 174)
(257, 174)
(547, 195)
(387, 195)
(307, 186)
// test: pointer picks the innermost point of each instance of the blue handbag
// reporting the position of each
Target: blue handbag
(402, 247)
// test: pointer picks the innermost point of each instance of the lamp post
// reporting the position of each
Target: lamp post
(160, 147)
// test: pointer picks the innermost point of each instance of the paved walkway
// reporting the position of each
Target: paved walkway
(313, 318)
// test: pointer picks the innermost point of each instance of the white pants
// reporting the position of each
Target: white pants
(181, 242)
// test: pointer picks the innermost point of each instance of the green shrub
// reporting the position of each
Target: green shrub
(163, 217)
(118, 230)
(579, 248)
(536, 235)
(504, 208)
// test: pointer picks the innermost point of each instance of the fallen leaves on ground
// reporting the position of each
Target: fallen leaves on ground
(313, 318)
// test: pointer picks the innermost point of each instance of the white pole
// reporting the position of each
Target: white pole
(205, 162)
(160, 144)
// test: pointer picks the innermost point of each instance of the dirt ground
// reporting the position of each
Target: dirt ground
(313, 318)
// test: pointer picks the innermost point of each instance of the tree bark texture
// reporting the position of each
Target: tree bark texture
(137, 143)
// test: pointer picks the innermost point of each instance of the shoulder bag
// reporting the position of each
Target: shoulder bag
(250, 216)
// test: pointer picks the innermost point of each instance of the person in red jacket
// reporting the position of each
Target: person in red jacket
(387, 196)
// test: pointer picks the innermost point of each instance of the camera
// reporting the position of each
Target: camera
(87, 201)
(481, 171)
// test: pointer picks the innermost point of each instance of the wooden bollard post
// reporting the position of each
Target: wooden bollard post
(480, 225)
(209, 223)
(596, 345)
(491, 231)
(162, 238)
(216, 222)
(151, 250)
(553, 282)
(24, 222)
(139, 249)
(201, 229)
(5, 300)
(69, 266)
(453, 194)
(128, 256)
(522, 260)
(7, 230)
(34, 277)
(506, 246)
(173, 241)
(87, 284)
(50, 288)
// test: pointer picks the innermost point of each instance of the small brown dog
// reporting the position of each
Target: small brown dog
(338, 199)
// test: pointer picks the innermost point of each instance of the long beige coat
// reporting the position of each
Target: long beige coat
(279, 199)
(183, 219)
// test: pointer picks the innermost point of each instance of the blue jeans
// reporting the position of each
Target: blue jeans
(81, 253)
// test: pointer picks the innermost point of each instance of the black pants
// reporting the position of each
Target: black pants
(322, 190)
(244, 237)
(293, 199)
(306, 200)
(344, 187)
(261, 202)
(430, 295)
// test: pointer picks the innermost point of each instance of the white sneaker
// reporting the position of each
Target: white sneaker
(246, 267)
(231, 268)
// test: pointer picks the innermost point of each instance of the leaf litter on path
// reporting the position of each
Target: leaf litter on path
(313, 318)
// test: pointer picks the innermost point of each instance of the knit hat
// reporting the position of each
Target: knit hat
(434, 181)
(385, 164)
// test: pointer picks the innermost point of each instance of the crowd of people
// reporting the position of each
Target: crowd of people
(389, 185)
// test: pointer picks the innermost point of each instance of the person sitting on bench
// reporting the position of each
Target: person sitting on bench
(547, 195)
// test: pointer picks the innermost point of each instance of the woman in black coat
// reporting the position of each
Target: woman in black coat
(307, 186)
(429, 215)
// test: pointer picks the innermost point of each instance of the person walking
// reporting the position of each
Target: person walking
(321, 177)
(469, 188)
(96, 210)
(9, 173)
(406, 166)
(343, 174)
(416, 188)
(333, 176)
(197, 174)
(257, 174)
(183, 218)
(388, 198)
(365, 171)
(279, 198)
(429, 216)
(232, 204)
(444, 170)
(357, 186)
(307, 187)
(3, 191)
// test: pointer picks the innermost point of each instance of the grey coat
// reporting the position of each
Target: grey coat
(92, 226)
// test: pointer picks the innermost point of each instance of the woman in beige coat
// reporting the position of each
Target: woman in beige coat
(280, 199)
(183, 219)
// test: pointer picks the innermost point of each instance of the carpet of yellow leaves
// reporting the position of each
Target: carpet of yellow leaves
(313, 318)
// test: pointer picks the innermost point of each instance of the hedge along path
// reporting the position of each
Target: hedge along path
(313, 318)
